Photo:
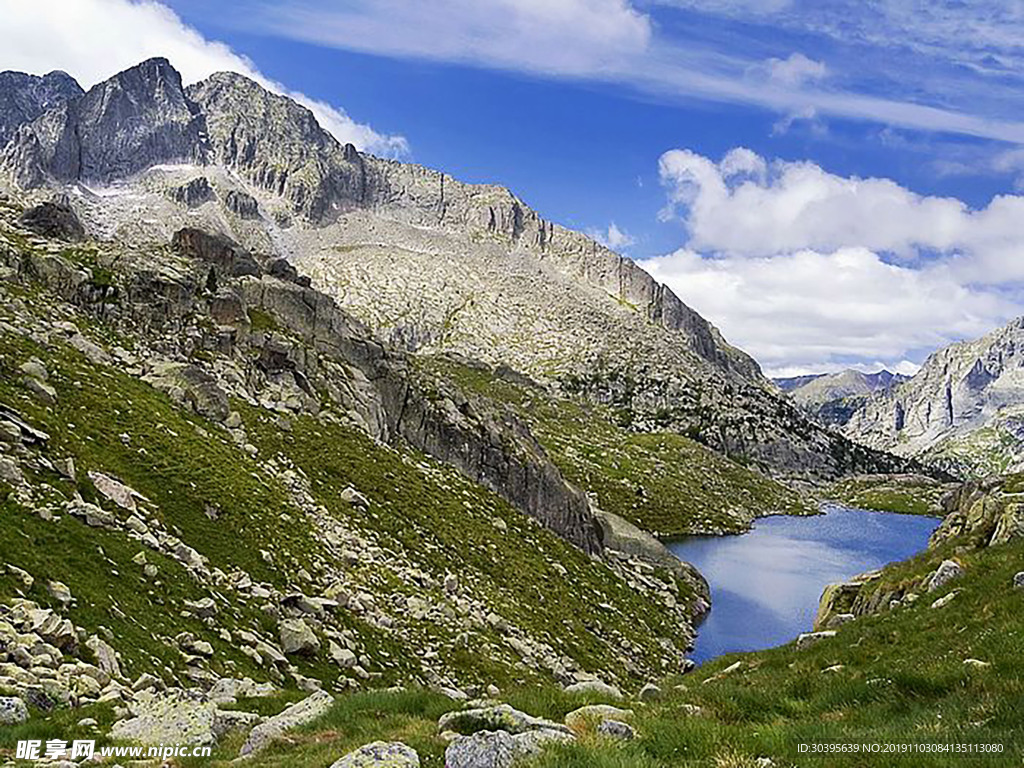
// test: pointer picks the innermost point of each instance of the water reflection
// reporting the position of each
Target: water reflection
(765, 584)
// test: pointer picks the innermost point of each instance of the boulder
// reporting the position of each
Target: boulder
(616, 729)
(380, 754)
(12, 710)
(55, 219)
(116, 491)
(1018, 580)
(486, 749)
(649, 692)
(807, 639)
(301, 713)
(174, 717)
(945, 573)
(297, 637)
(194, 193)
(220, 252)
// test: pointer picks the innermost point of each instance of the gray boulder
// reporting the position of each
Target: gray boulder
(807, 639)
(55, 219)
(305, 711)
(380, 754)
(945, 573)
(297, 637)
(500, 749)
(12, 710)
(595, 687)
(175, 717)
(616, 729)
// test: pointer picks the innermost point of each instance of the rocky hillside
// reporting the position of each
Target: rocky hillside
(430, 264)
(832, 399)
(962, 410)
(210, 472)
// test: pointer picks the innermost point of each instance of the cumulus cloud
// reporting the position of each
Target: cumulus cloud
(795, 70)
(812, 312)
(808, 270)
(614, 238)
(799, 205)
(94, 39)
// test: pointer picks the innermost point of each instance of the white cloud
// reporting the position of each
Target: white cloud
(94, 39)
(620, 41)
(564, 37)
(796, 70)
(813, 312)
(799, 205)
(614, 238)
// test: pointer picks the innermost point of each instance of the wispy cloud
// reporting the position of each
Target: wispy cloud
(94, 39)
(614, 238)
(877, 60)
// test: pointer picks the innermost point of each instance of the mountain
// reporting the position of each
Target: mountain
(430, 264)
(963, 409)
(833, 398)
(789, 383)
(24, 97)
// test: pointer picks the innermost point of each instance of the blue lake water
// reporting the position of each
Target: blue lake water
(765, 584)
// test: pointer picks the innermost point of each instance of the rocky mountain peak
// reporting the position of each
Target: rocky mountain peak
(25, 97)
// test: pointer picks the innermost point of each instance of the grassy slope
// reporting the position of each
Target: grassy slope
(663, 482)
(906, 494)
(183, 464)
(896, 678)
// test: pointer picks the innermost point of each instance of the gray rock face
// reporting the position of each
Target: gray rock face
(12, 710)
(499, 749)
(242, 204)
(380, 754)
(195, 192)
(965, 407)
(54, 219)
(25, 97)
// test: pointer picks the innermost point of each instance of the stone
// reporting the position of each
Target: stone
(34, 369)
(595, 688)
(297, 637)
(106, 657)
(204, 608)
(355, 498)
(60, 592)
(945, 573)
(301, 713)
(56, 219)
(228, 720)
(486, 749)
(1018, 580)
(649, 692)
(977, 664)
(807, 639)
(174, 717)
(380, 754)
(945, 600)
(116, 491)
(343, 657)
(616, 729)
(12, 710)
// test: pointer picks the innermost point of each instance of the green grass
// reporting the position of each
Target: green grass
(905, 494)
(662, 482)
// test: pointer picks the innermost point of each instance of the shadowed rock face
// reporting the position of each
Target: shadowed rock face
(24, 97)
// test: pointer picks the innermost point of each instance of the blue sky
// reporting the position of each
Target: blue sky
(676, 120)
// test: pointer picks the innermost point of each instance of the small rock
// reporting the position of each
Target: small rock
(616, 729)
(355, 498)
(59, 591)
(945, 600)
(380, 754)
(977, 663)
(945, 573)
(297, 637)
(807, 639)
(649, 692)
(12, 710)
(1018, 580)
